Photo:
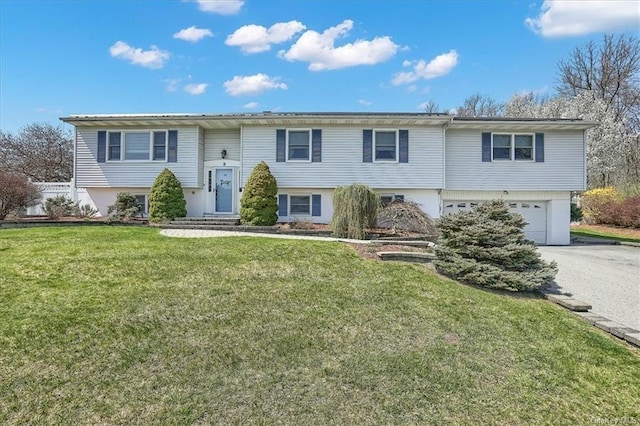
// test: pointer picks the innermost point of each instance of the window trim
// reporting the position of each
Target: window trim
(512, 146)
(151, 145)
(375, 141)
(309, 147)
(290, 204)
(394, 197)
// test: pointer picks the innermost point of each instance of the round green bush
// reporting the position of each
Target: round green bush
(258, 205)
(166, 199)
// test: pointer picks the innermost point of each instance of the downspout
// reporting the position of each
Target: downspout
(444, 164)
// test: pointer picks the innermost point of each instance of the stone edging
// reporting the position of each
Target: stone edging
(621, 331)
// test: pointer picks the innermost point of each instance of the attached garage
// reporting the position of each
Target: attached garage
(534, 213)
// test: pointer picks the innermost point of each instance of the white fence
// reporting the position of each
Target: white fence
(54, 189)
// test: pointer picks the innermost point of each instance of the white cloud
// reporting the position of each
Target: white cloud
(152, 58)
(320, 51)
(193, 34)
(172, 84)
(439, 66)
(221, 7)
(256, 38)
(575, 18)
(252, 84)
(365, 102)
(44, 110)
(195, 89)
(251, 105)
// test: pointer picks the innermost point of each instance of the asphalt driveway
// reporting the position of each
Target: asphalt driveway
(607, 277)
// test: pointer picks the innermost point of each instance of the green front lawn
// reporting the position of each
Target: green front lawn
(608, 232)
(123, 325)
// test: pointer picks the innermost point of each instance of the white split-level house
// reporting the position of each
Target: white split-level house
(443, 163)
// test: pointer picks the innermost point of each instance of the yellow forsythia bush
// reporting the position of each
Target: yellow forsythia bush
(596, 204)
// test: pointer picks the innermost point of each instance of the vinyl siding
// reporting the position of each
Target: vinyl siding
(201, 134)
(137, 174)
(217, 140)
(342, 160)
(562, 169)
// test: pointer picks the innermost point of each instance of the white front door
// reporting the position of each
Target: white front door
(224, 190)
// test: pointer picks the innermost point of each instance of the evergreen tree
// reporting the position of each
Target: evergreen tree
(258, 205)
(487, 247)
(166, 199)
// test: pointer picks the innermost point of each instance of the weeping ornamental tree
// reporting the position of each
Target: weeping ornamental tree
(355, 207)
(258, 205)
(166, 199)
(487, 247)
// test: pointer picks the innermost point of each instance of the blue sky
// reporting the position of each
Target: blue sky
(60, 58)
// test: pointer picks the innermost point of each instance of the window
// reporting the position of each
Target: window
(137, 146)
(114, 146)
(298, 145)
(387, 199)
(517, 147)
(385, 145)
(159, 146)
(141, 201)
(300, 204)
(523, 147)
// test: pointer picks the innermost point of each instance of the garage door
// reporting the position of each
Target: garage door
(534, 213)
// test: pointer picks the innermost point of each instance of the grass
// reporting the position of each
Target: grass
(608, 232)
(121, 325)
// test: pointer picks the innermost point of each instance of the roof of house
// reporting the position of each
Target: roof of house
(268, 118)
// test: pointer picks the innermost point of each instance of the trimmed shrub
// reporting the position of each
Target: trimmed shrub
(407, 216)
(355, 207)
(166, 198)
(259, 205)
(60, 206)
(126, 207)
(487, 247)
(16, 193)
(625, 213)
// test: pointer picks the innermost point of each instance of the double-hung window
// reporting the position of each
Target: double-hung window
(517, 147)
(137, 146)
(385, 145)
(299, 145)
(299, 205)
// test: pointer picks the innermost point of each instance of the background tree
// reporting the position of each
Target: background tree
(40, 151)
(430, 107)
(487, 247)
(258, 205)
(16, 193)
(479, 105)
(609, 73)
(166, 198)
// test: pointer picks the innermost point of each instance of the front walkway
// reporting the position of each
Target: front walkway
(205, 233)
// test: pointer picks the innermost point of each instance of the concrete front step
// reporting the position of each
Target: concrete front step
(207, 220)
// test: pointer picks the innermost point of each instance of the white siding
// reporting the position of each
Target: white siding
(562, 169)
(136, 174)
(217, 140)
(427, 199)
(200, 157)
(342, 160)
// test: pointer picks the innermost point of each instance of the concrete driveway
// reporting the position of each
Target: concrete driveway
(604, 276)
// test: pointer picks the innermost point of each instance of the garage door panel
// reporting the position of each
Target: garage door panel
(534, 213)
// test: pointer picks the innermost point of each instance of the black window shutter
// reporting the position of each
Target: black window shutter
(404, 146)
(367, 146)
(281, 149)
(486, 147)
(316, 145)
(102, 146)
(316, 204)
(172, 156)
(539, 147)
(282, 205)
